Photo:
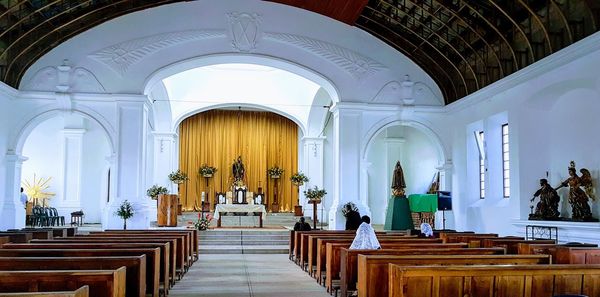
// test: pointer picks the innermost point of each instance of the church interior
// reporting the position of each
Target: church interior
(171, 147)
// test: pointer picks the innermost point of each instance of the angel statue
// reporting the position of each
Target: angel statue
(578, 198)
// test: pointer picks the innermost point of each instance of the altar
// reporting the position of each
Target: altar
(250, 209)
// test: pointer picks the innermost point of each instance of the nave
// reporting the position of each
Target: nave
(246, 275)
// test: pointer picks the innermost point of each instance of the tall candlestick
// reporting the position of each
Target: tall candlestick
(202, 196)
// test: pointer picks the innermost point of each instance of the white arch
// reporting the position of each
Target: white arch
(194, 111)
(42, 114)
(264, 60)
(381, 126)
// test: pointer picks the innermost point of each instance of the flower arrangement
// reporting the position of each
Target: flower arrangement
(156, 190)
(315, 193)
(298, 179)
(275, 172)
(203, 223)
(178, 176)
(125, 212)
(345, 210)
(207, 171)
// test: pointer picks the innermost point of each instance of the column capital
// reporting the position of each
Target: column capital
(165, 134)
(306, 139)
(394, 140)
(446, 166)
(73, 131)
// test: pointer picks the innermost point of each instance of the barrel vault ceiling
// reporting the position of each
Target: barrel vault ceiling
(464, 45)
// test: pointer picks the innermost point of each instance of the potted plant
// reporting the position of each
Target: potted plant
(275, 172)
(315, 194)
(178, 177)
(298, 179)
(125, 212)
(156, 190)
(207, 171)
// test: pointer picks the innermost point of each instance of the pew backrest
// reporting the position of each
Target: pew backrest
(84, 291)
(494, 280)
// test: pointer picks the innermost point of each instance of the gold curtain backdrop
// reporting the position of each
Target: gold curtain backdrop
(218, 137)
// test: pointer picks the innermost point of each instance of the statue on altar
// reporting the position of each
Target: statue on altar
(578, 198)
(238, 170)
(398, 182)
(547, 208)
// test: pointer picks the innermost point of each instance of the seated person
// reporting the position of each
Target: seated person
(426, 230)
(302, 225)
(365, 236)
(352, 218)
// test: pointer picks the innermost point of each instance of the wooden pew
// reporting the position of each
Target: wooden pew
(373, 278)
(349, 260)
(488, 281)
(102, 283)
(332, 267)
(3, 240)
(135, 266)
(577, 255)
(192, 235)
(314, 249)
(81, 292)
(547, 249)
(512, 245)
(163, 256)
(35, 233)
(454, 237)
(20, 237)
(182, 247)
(56, 231)
(321, 254)
(172, 247)
(152, 261)
(301, 241)
(444, 235)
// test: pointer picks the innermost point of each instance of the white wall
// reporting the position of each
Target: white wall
(43, 148)
(418, 157)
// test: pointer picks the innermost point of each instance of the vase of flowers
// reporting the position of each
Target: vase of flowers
(275, 172)
(207, 171)
(298, 179)
(178, 177)
(315, 194)
(156, 190)
(125, 212)
(203, 222)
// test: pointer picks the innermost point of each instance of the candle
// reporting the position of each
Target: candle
(203, 195)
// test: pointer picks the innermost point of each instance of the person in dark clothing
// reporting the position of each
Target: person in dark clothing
(302, 225)
(353, 219)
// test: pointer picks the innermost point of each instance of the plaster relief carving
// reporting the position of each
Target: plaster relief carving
(120, 57)
(45, 79)
(389, 93)
(354, 63)
(63, 79)
(244, 29)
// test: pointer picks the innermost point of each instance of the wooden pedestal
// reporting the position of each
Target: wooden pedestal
(315, 202)
(298, 211)
(167, 210)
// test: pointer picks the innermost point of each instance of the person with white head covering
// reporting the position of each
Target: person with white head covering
(426, 230)
(365, 237)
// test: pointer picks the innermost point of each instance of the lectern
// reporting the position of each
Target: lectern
(167, 210)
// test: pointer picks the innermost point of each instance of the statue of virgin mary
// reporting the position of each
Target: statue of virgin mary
(398, 183)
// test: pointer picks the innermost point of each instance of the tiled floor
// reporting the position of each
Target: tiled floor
(247, 276)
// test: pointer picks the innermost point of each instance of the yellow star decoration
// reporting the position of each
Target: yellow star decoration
(36, 190)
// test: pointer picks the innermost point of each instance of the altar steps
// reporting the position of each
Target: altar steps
(220, 241)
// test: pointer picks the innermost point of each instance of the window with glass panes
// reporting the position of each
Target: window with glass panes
(481, 168)
(505, 162)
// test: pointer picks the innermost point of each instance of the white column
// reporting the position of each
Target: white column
(313, 168)
(71, 154)
(165, 162)
(445, 185)
(364, 188)
(13, 211)
(130, 164)
(346, 162)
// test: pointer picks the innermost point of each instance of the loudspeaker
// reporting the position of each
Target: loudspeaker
(444, 200)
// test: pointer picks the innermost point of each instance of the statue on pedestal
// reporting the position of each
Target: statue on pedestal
(238, 170)
(398, 182)
(547, 208)
(578, 198)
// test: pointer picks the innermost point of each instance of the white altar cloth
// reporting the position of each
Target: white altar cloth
(240, 208)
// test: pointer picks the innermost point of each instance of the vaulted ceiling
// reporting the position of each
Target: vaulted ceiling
(464, 45)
